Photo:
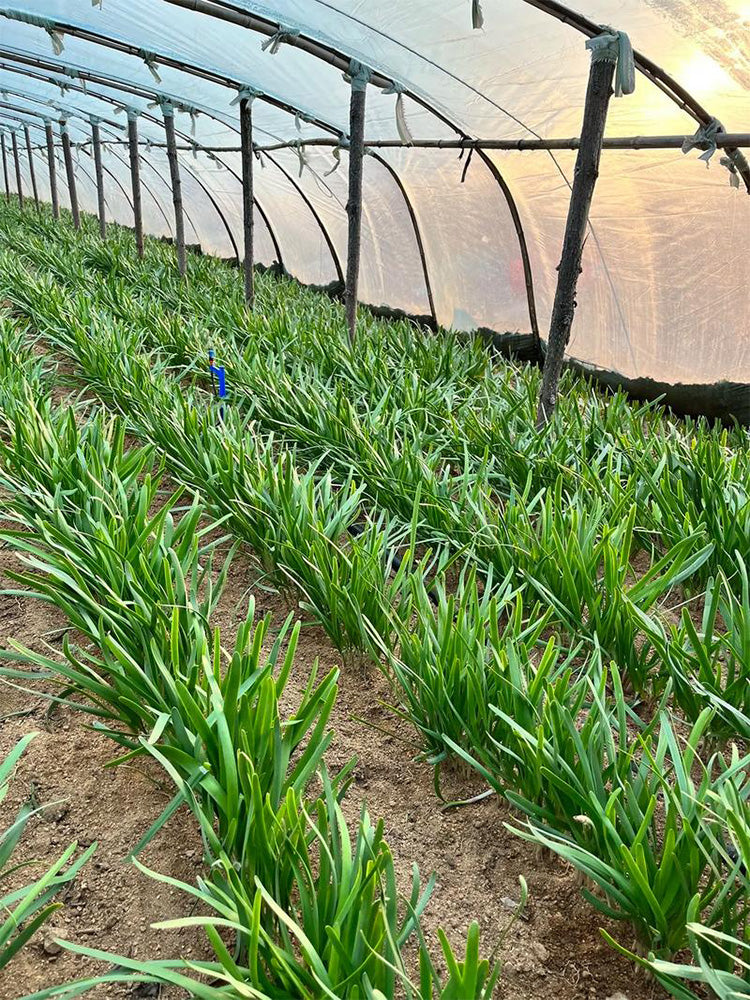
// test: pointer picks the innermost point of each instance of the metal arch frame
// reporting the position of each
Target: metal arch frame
(65, 109)
(146, 93)
(34, 124)
(61, 107)
(417, 231)
(314, 212)
(115, 178)
(658, 76)
(144, 162)
(515, 215)
(380, 159)
(154, 119)
(326, 235)
(104, 40)
(213, 201)
(147, 188)
(225, 11)
(82, 146)
(261, 212)
(127, 48)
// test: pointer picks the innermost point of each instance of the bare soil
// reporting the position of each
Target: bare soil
(554, 953)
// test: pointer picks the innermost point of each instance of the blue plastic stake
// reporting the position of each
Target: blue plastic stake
(221, 373)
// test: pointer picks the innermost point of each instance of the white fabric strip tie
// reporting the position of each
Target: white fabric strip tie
(73, 74)
(300, 117)
(402, 126)
(93, 120)
(358, 75)
(274, 42)
(477, 17)
(301, 154)
(56, 36)
(734, 176)
(186, 109)
(705, 139)
(614, 46)
(245, 93)
(343, 144)
(149, 58)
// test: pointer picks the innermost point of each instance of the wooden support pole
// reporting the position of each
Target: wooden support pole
(5, 166)
(17, 163)
(96, 142)
(32, 171)
(598, 95)
(359, 77)
(248, 198)
(174, 172)
(135, 179)
(52, 170)
(70, 174)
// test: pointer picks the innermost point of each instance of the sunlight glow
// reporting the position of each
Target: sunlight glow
(702, 73)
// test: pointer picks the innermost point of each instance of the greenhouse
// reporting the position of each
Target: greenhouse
(375, 481)
(465, 233)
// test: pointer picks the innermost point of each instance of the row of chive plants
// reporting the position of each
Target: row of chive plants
(32, 902)
(655, 749)
(312, 910)
(463, 510)
(526, 537)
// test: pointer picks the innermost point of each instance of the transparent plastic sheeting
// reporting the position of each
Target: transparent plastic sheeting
(665, 289)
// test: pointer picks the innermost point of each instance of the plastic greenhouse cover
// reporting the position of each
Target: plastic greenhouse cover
(664, 293)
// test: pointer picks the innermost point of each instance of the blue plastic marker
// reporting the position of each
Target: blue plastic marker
(222, 376)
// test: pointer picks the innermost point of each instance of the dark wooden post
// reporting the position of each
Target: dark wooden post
(359, 77)
(17, 162)
(248, 196)
(96, 142)
(5, 166)
(70, 174)
(598, 95)
(32, 171)
(52, 170)
(174, 172)
(135, 178)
